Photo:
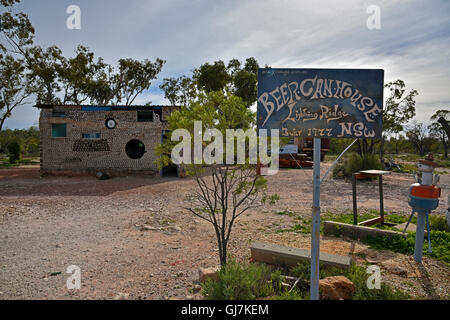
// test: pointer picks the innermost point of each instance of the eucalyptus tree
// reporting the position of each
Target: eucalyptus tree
(399, 109)
(236, 78)
(438, 131)
(224, 191)
(14, 86)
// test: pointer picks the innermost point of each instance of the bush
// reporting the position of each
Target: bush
(355, 274)
(354, 163)
(236, 281)
(438, 223)
(440, 244)
(14, 150)
(28, 138)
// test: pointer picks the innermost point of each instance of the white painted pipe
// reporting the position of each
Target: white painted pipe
(315, 234)
(420, 233)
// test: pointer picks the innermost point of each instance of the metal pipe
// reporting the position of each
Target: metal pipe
(355, 203)
(315, 234)
(420, 232)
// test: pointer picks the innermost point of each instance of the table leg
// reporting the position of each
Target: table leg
(380, 182)
(355, 209)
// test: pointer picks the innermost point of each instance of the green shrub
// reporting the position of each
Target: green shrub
(440, 244)
(293, 295)
(438, 223)
(354, 163)
(440, 236)
(246, 281)
(14, 150)
(356, 274)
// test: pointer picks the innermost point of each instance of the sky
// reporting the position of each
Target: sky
(412, 42)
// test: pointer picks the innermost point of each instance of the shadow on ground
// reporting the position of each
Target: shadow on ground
(28, 182)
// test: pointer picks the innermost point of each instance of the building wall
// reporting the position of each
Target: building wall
(73, 153)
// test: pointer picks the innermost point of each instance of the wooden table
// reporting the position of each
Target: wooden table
(364, 175)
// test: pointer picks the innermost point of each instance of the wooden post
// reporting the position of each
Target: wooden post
(355, 208)
(380, 182)
(315, 234)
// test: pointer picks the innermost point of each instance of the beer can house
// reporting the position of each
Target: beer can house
(113, 139)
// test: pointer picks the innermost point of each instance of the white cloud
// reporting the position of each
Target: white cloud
(413, 43)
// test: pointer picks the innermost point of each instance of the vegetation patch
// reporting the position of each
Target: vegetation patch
(356, 274)
(440, 244)
(439, 233)
(354, 163)
(288, 212)
(5, 162)
(241, 281)
(249, 281)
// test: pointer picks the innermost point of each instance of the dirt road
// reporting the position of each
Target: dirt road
(48, 224)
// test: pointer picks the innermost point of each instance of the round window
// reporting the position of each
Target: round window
(135, 149)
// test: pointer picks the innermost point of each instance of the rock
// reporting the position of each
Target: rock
(398, 271)
(122, 296)
(146, 227)
(394, 268)
(207, 273)
(336, 288)
(189, 298)
(378, 257)
(102, 175)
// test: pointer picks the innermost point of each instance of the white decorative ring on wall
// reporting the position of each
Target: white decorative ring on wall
(110, 123)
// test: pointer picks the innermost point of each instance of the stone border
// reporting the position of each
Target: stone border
(280, 255)
(357, 231)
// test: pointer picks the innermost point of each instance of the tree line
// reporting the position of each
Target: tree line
(30, 73)
(43, 75)
(414, 137)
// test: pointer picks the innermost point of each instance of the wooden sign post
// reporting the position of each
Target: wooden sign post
(315, 234)
(320, 103)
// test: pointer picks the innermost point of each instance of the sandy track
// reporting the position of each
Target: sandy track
(47, 224)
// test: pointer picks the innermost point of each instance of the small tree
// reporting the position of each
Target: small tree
(15, 151)
(417, 134)
(238, 79)
(224, 191)
(399, 109)
(438, 131)
(14, 86)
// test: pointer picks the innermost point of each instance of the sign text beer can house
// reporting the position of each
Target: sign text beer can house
(327, 103)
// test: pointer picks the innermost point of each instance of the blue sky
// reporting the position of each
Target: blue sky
(413, 43)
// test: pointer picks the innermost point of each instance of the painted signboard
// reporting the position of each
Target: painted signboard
(328, 103)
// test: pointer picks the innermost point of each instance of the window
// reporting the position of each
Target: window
(135, 149)
(91, 135)
(58, 114)
(145, 116)
(59, 130)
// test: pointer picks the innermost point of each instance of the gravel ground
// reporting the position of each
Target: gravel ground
(48, 224)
